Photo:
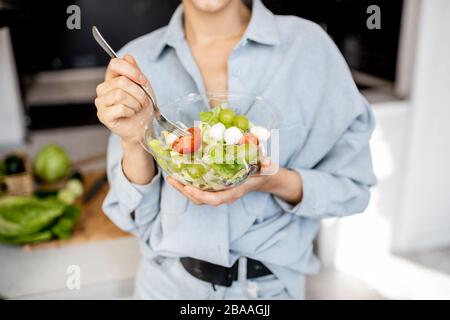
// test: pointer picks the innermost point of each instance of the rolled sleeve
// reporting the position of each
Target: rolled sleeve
(326, 195)
(148, 206)
(129, 205)
(128, 194)
(309, 203)
(339, 183)
(133, 196)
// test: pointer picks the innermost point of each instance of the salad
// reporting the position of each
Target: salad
(222, 150)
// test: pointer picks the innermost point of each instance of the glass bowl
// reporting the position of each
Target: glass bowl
(199, 169)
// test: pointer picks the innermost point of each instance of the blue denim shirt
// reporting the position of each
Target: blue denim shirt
(324, 135)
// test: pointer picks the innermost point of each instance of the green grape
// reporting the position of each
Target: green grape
(241, 122)
(226, 116)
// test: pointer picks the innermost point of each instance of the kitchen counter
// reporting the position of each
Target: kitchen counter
(107, 264)
(106, 257)
(107, 269)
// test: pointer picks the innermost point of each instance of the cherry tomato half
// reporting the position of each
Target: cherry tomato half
(188, 144)
(249, 138)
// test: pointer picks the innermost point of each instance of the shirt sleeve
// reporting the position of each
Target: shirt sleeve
(130, 206)
(335, 160)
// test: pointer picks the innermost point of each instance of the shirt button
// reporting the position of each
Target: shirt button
(236, 73)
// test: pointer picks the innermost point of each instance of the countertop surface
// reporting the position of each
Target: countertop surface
(107, 264)
(45, 272)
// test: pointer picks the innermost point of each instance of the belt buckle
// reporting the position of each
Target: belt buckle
(231, 274)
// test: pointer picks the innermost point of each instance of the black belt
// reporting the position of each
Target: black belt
(222, 276)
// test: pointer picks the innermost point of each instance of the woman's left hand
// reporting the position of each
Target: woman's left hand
(254, 183)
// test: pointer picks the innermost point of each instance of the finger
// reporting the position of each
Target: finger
(120, 67)
(130, 59)
(110, 115)
(265, 162)
(125, 84)
(191, 199)
(228, 198)
(181, 188)
(118, 96)
(268, 167)
(231, 195)
(211, 198)
(175, 183)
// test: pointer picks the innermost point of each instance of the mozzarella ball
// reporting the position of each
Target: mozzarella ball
(217, 131)
(232, 135)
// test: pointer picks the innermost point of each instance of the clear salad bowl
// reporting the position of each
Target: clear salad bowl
(233, 131)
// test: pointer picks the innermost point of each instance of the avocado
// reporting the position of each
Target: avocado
(14, 164)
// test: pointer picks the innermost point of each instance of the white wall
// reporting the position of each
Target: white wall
(407, 47)
(423, 220)
(410, 205)
(360, 245)
(11, 116)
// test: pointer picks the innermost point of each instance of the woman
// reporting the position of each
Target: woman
(255, 240)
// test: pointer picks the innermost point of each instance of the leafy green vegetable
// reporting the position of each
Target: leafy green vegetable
(51, 163)
(205, 116)
(247, 153)
(42, 194)
(196, 171)
(28, 238)
(217, 163)
(69, 194)
(30, 220)
(227, 170)
(158, 147)
(3, 186)
(161, 153)
(66, 223)
(2, 169)
(210, 117)
(75, 186)
(27, 215)
(66, 196)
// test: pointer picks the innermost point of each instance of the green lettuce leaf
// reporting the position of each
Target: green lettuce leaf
(66, 223)
(227, 171)
(210, 117)
(27, 215)
(28, 238)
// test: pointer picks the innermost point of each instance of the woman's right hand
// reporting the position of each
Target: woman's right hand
(123, 107)
(121, 103)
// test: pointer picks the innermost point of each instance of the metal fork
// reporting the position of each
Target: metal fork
(165, 123)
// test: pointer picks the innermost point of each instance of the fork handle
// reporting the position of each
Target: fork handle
(157, 113)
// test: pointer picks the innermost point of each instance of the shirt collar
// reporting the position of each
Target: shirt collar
(262, 29)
